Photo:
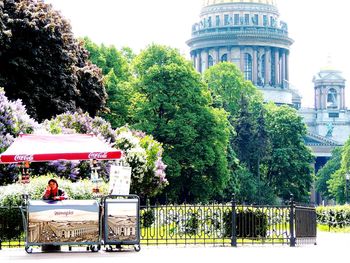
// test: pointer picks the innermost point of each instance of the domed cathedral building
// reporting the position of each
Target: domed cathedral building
(250, 34)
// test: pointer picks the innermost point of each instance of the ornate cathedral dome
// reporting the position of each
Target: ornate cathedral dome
(250, 34)
(214, 2)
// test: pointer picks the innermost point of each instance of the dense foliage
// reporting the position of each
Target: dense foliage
(218, 136)
(174, 105)
(267, 140)
(334, 216)
(115, 67)
(338, 187)
(287, 168)
(325, 173)
(43, 64)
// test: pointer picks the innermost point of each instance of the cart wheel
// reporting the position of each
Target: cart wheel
(137, 248)
(109, 248)
(93, 248)
(28, 249)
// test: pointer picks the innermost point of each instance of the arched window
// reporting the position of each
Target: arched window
(210, 61)
(332, 100)
(224, 58)
(248, 67)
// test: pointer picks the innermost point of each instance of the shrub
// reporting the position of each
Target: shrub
(249, 224)
(192, 223)
(147, 217)
(11, 223)
(334, 216)
(13, 121)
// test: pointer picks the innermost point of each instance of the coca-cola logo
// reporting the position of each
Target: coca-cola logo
(24, 157)
(98, 155)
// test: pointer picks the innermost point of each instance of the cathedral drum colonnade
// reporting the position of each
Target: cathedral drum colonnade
(249, 34)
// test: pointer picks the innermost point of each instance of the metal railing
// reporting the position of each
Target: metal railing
(215, 224)
(11, 227)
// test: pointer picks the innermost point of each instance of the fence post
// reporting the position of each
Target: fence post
(291, 221)
(233, 220)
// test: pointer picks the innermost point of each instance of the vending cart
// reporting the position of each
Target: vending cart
(67, 222)
(121, 221)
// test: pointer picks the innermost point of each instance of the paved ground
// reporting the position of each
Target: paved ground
(329, 248)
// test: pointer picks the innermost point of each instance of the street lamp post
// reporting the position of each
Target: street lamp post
(347, 179)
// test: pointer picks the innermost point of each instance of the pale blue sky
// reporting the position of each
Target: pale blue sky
(318, 27)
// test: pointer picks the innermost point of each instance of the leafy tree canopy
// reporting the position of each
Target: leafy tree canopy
(115, 66)
(337, 181)
(325, 173)
(227, 85)
(173, 105)
(287, 168)
(42, 63)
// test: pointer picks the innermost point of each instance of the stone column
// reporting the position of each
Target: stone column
(229, 56)
(255, 66)
(277, 68)
(193, 58)
(317, 99)
(217, 55)
(343, 98)
(267, 66)
(287, 66)
(204, 56)
(242, 60)
(324, 98)
(198, 60)
(283, 75)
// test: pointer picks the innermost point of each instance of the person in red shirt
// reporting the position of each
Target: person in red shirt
(52, 192)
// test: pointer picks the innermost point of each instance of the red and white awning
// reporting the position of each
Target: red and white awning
(68, 147)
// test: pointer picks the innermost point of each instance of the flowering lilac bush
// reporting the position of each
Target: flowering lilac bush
(141, 152)
(13, 121)
(144, 155)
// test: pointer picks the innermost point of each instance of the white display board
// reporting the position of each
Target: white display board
(119, 180)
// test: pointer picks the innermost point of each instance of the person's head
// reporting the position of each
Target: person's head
(53, 184)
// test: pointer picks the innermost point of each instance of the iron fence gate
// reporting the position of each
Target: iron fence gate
(305, 224)
(216, 224)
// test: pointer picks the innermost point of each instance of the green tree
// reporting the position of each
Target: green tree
(227, 85)
(117, 79)
(326, 172)
(247, 116)
(288, 165)
(173, 105)
(337, 182)
(42, 63)
(119, 100)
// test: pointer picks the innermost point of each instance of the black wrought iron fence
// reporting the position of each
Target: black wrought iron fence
(216, 224)
(11, 227)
